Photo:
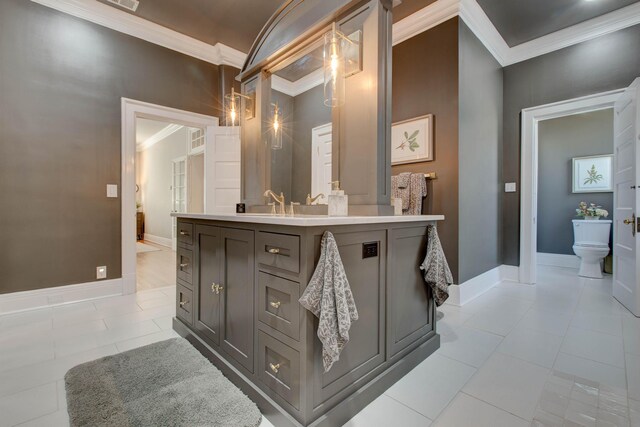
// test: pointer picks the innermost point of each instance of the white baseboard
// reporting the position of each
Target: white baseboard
(558, 260)
(158, 240)
(471, 289)
(60, 295)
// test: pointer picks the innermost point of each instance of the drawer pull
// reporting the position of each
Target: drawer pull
(183, 303)
(275, 304)
(183, 233)
(274, 251)
(275, 368)
(184, 265)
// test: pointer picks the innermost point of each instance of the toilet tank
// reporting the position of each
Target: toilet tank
(591, 231)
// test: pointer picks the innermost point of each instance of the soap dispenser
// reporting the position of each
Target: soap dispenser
(338, 201)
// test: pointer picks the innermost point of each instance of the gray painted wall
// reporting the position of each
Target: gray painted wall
(559, 140)
(154, 176)
(61, 82)
(425, 80)
(606, 63)
(309, 112)
(480, 141)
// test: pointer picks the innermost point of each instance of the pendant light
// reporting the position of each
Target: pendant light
(334, 66)
(233, 107)
(276, 127)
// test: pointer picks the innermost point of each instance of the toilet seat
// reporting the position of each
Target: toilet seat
(591, 245)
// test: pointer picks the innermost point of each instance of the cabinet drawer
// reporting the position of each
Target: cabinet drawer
(184, 304)
(184, 265)
(279, 368)
(185, 233)
(279, 251)
(278, 304)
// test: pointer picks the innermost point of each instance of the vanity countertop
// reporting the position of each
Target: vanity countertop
(310, 220)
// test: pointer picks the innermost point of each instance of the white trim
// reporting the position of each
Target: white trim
(60, 295)
(475, 18)
(471, 289)
(163, 133)
(123, 22)
(132, 109)
(558, 260)
(162, 241)
(529, 167)
(301, 85)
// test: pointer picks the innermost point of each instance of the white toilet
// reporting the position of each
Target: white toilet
(591, 244)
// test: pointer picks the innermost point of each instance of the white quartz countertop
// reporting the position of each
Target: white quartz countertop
(311, 220)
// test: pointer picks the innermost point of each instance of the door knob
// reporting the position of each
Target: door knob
(631, 221)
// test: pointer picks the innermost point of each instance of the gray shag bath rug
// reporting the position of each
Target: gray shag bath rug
(163, 384)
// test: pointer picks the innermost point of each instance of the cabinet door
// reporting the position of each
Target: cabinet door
(237, 320)
(208, 290)
(409, 301)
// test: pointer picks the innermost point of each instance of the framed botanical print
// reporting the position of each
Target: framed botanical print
(593, 174)
(412, 140)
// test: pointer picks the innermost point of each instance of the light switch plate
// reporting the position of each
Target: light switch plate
(509, 187)
(112, 190)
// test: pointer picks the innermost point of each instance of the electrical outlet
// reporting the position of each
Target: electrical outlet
(101, 272)
(509, 187)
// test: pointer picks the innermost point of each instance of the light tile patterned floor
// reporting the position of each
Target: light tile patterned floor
(561, 353)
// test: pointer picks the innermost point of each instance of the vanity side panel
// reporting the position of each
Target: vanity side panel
(207, 272)
(409, 310)
(366, 348)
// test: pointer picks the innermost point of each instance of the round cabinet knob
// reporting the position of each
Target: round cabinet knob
(275, 304)
(275, 368)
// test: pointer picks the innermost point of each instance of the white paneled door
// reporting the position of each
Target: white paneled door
(222, 170)
(625, 241)
(321, 138)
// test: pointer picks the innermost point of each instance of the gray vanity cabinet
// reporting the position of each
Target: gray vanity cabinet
(225, 271)
(246, 282)
(209, 262)
(410, 306)
(237, 294)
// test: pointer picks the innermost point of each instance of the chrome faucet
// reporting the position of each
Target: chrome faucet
(310, 199)
(279, 199)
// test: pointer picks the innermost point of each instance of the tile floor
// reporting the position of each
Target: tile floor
(561, 353)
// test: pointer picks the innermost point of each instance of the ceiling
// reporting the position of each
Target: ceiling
(236, 23)
(146, 128)
(520, 21)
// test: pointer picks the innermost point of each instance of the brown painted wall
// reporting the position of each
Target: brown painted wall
(599, 65)
(425, 81)
(61, 81)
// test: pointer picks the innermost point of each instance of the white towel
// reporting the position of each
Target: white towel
(328, 296)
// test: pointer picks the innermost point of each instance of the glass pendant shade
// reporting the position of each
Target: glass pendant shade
(276, 128)
(232, 106)
(334, 67)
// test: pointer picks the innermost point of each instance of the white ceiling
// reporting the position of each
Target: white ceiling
(146, 128)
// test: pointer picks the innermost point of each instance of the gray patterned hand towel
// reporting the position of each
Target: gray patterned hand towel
(435, 268)
(328, 296)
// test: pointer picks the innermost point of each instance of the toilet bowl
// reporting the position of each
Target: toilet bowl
(591, 244)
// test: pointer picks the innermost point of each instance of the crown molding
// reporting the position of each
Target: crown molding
(475, 18)
(605, 24)
(126, 23)
(158, 136)
(301, 85)
(424, 19)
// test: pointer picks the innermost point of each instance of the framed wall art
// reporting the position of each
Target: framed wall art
(593, 174)
(412, 140)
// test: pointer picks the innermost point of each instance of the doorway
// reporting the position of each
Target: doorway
(529, 210)
(194, 132)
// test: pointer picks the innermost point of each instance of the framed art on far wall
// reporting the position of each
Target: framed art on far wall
(412, 140)
(593, 174)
